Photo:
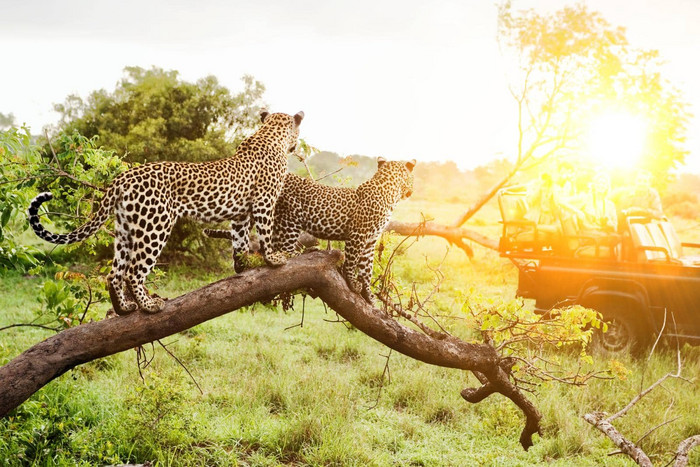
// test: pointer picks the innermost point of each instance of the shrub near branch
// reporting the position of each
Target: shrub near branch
(73, 167)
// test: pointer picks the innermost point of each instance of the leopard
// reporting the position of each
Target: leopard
(356, 216)
(147, 201)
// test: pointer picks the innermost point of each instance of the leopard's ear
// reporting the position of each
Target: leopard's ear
(298, 118)
(380, 161)
(410, 165)
(263, 115)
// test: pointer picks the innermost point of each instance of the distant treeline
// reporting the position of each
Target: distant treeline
(445, 182)
(437, 181)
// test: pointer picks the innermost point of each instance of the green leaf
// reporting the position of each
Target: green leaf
(5, 217)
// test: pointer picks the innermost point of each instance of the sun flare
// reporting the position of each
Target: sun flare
(617, 139)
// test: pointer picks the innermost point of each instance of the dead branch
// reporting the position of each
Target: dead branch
(683, 450)
(454, 235)
(599, 420)
(316, 272)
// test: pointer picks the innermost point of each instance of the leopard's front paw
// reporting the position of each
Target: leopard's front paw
(276, 259)
(368, 296)
(125, 308)
(239, 262)
(153, 305)
(354, 285)
(122, 306)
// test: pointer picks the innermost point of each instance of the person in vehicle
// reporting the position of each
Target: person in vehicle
(543, 209)
(600, 213)
(642, 199)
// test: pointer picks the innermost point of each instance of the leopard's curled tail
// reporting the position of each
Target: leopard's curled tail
(82, 232)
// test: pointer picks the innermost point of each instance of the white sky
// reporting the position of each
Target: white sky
(398, 79)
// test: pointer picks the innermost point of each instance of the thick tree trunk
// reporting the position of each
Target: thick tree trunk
(317, 272)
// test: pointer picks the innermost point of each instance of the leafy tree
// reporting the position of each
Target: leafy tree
(571, 65)
(74, 170)
(153, 115)
(567, 67)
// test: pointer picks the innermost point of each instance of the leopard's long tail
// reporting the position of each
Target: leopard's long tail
(82, 232)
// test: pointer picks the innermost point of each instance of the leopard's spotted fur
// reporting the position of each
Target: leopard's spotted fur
(147, 200)
(355, 216)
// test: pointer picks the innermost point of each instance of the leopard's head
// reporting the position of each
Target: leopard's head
(399, 174)
(286, 126)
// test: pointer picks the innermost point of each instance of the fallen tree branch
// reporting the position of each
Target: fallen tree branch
(315, 271)
(599, 420)
(683, 450)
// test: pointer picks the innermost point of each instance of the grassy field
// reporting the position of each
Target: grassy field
(273, 393)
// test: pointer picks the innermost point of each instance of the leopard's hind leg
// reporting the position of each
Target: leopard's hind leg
(240, 240)
(148, 241)
(359, 259)
(120, 266)
(365, 263)
(286, 234)
(263, 218)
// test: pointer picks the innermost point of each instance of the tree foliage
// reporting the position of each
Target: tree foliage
(74, 169)
(154, 115)
(571, 65)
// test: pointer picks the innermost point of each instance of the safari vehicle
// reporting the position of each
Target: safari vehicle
(641, 278)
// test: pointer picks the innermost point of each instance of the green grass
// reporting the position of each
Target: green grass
(309, 395)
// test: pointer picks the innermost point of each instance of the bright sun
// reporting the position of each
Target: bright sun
(617, 139)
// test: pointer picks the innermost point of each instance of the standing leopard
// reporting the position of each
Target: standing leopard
(356, 216)
(147, 200)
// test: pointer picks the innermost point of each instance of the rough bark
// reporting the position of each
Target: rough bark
(684, 449)
(601, 421)
(316, 272)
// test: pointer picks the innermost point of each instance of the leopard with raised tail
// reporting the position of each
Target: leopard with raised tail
(147, 201)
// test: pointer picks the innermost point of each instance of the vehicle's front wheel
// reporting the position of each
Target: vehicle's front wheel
(627, 331)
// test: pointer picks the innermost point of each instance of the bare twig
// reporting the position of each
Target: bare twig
(302, 159)
(89, 302)
(303, 310)
(650, 431)
(329, 174)
(386, 374)
(658, 338)
(643, 393)
(182, 365)
(16, 325)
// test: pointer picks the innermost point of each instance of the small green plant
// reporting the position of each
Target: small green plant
(158, 411)
(48, 431)
(69, 298)
(525, 337)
